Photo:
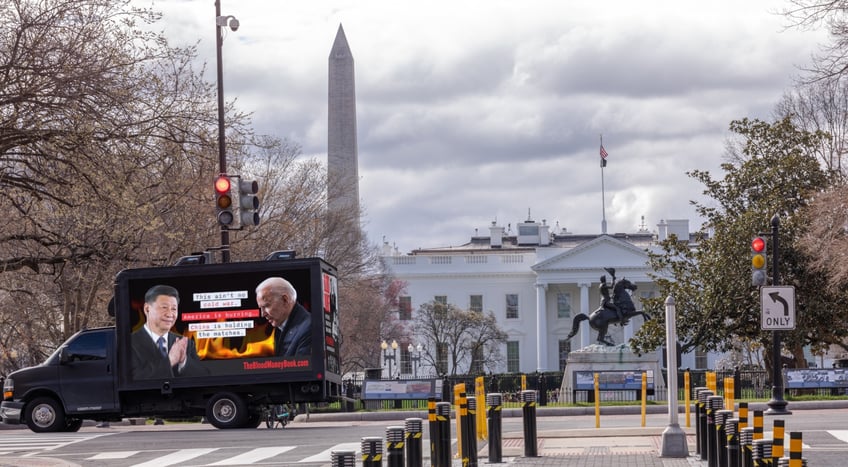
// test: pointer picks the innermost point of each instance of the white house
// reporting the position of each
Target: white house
(535, 281)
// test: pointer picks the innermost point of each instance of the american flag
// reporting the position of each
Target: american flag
(603, 152)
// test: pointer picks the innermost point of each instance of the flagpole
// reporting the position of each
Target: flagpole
(603, 197)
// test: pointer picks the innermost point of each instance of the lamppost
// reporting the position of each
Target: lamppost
(220, 23)
(415, 357)
(389, 357)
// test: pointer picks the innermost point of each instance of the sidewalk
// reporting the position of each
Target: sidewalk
(603, 447)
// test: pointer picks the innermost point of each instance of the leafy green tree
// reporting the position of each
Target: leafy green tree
(771, 171)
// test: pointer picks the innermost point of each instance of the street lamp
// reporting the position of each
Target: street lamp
(220, 23)
(389, 357)
(415, 357)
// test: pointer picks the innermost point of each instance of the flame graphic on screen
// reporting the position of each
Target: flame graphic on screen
(257, 343)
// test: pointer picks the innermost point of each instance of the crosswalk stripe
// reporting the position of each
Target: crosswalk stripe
(176, 457)
(841, 435)
(114, 455)
(254, 455)
(325, 455)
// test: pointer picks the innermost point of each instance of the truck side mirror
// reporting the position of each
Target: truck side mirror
(65, 356)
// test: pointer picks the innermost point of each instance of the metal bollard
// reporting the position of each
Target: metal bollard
(372, 451)
(702, 422)
(721, 417)
(779, 431)
(343, 458)
(443, 443)
(394, 446)
(761, 453)
(746, 441)
(528, 400)
(414, 450)
(434, 427)
(461, 414)
(743, 415)
(698, 408)
(494, 401)
(758, 424)
(731, 430)
(714, 404)
(470, 445)
(795, 443)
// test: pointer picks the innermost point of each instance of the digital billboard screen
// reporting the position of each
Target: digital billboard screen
(227, 320)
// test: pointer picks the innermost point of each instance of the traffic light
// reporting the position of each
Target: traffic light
(224, 200)
(759, 272)
(248, 202)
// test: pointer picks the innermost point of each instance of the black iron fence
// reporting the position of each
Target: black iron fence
(747, 385)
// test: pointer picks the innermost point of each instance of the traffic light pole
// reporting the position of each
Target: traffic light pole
(222, 153)
(777, 404)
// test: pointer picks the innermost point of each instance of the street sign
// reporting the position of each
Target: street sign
(778, 306)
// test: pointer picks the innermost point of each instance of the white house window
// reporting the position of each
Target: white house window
(564, 347)
(511, 306)
(405, 308)
(564, 305)
(475, 303)
(701, 359)
(512, 357)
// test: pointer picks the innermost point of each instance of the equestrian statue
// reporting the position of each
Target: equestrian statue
(617, 308)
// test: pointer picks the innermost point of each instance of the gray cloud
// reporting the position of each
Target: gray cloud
(475, 111)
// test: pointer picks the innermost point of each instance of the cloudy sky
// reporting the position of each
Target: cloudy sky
(477, 111)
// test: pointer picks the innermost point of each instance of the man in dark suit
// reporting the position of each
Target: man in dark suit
(156, 351)
(277, 301)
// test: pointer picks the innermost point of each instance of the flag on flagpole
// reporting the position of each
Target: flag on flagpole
(604, 155)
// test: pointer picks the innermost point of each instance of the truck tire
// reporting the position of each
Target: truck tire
(254, 419)
(45, 415)
(72, 425)
(226, 410)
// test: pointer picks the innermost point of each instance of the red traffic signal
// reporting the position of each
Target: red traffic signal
(222, 185)
(224, 200)
(759, 274)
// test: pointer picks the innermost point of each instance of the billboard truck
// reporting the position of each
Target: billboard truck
(222, 341)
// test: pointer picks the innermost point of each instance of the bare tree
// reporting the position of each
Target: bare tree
(458, 341)
(106, 134)
(821, 106)
(832, 60)
(108, 141)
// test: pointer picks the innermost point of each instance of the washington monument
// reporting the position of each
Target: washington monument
(342, 157)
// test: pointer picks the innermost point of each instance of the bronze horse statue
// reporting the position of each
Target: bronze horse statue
(601, 318)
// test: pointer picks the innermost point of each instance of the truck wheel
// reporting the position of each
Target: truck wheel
(226, 410)
(254, 419)
(45, 415)
(72, 425)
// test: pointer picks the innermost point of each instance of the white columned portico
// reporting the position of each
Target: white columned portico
(541, 328)
(584, 308)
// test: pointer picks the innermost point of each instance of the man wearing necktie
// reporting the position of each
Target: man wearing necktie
(277, 301)
(157, 352)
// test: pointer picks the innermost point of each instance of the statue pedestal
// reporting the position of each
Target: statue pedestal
(620, 371)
